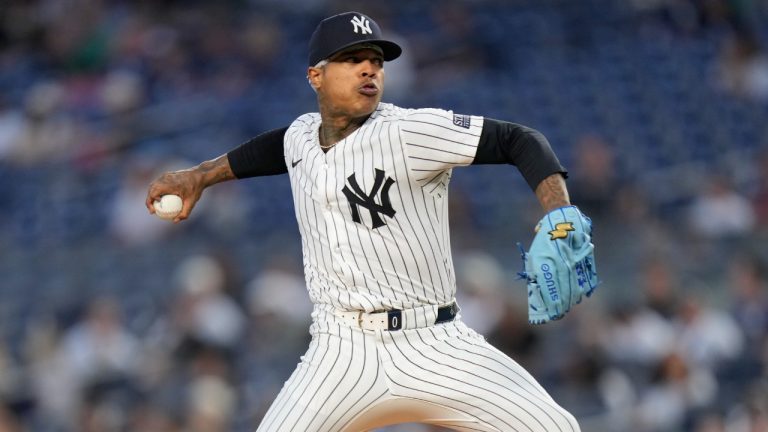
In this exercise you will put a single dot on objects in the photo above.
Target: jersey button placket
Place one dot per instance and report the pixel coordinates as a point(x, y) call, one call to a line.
point(321, 190)
point(325, 181)
point(331, 187)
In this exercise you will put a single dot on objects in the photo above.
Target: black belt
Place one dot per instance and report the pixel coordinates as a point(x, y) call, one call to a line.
point(445, 313)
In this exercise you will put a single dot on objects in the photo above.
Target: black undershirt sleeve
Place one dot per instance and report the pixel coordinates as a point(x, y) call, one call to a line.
point(259, 156)
point(504, 142)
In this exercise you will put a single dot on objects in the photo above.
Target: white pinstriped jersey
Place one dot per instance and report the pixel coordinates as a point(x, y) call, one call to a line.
point(373, 210)
point(373, 215)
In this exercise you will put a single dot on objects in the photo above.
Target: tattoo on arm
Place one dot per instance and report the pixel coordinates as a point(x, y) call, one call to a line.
point(552, 192)
point(216, 170)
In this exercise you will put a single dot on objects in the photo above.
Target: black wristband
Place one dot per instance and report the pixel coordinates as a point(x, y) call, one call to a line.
point(259, 156)
point(503, 142)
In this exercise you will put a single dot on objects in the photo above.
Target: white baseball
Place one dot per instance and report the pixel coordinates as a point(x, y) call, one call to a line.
point(168, 206)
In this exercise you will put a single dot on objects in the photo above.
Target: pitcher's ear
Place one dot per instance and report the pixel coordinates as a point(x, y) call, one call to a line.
point(314, 77)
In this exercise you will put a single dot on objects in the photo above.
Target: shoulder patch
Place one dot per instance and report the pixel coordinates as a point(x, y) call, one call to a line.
point(461, 120)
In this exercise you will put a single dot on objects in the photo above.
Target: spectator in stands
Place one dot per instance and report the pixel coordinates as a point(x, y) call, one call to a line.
point(595, 183)
point(52, 390)
point(642, 332)
point(720, 211)
point(707, 337)
point(482, 292)
point(210, 398)
point(100, 359)
point(749, 302)
point(279, 312)
point(637, 336)
point(634, 216)
point(15, 395)
point(47, 131)
point(677, 388)
point(278, 291)
point(751, 414)
point(204, 312)
point(121, 96)
point(742, 68)
point(660, 288)
point(514, 336)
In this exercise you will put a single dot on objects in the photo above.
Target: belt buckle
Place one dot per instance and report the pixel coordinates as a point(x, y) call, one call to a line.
point(394, 319)
point(360, 319)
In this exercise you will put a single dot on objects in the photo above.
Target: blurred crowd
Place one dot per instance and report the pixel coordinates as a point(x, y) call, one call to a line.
point(112, 320)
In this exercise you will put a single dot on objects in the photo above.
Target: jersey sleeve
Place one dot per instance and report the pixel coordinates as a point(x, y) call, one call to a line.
point(259, 156)
point(436, 140)
point(526, 148)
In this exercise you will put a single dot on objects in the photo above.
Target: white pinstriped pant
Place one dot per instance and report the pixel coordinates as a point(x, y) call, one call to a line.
point(354, 380)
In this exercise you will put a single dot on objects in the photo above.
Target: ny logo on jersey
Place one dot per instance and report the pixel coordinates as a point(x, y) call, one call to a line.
point(361, 23)
point(357, 197)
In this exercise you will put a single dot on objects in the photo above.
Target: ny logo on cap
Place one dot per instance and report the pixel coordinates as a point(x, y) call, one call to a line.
point(361, 23)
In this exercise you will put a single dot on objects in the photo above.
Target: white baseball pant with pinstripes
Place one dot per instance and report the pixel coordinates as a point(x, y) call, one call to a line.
point(354, 380)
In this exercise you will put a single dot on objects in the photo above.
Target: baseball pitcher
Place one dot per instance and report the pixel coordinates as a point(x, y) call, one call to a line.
point(370, 189)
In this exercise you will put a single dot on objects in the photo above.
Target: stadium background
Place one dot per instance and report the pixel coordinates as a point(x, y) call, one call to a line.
point(112, 320)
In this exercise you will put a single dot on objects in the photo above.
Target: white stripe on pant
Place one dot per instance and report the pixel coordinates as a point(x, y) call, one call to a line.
point(353, 380)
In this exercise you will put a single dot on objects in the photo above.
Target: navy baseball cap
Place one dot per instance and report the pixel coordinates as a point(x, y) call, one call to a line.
point(344, 30)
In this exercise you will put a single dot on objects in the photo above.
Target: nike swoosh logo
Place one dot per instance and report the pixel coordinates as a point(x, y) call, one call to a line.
point(293, 164)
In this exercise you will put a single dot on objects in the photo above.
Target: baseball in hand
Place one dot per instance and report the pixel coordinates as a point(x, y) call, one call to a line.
point(168, 206)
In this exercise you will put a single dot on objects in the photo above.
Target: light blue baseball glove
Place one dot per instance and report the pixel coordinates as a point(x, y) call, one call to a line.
point(560, 265)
